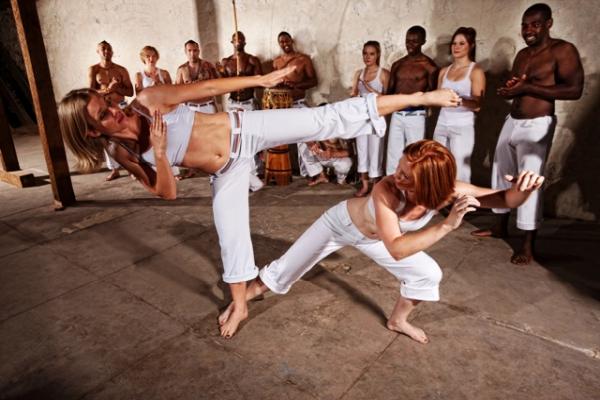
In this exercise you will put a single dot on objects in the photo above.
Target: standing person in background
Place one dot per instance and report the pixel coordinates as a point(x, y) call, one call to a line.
point(150, 75)
point(302, 79)
point(194, 70)
point(371, 79)
point(547, 70)
point(455, 127)
point(414, 72)
point(112, 81)
point(249, 65)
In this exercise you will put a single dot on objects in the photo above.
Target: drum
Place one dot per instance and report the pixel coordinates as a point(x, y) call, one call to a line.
point(277, 161)
point(276, 98)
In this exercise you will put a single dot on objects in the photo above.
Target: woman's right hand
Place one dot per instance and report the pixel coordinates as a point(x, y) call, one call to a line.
point(462, 205)
point(158, 134)
point(276, 77)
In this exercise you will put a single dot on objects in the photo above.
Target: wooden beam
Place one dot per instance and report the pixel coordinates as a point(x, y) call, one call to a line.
point(8, 154)
point(38, 75)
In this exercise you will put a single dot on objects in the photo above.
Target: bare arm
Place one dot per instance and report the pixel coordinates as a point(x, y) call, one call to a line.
point(477, 90)
point(432, 79)
point(522, 186)
point(569, 78)
point(354, 90)
point(385, 80)
point(92, 78)
point(169, 95)
point(256, 64)
point(125, 88)
point(392, 82)
point(138, 82)
point(401, 245)
point(440, 78)
point(167, 77)
point(179, 76)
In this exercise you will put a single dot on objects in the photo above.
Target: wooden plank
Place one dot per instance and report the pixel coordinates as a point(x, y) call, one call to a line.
point(42, 93)
point(21, 179)
point(8, 154)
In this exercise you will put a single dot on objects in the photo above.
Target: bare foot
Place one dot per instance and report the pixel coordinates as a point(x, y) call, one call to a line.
point(522, 257)
point(363, 191)
point(409, 330)
point(494, 231)
point(114, 174)
point(230, 326)
point(225, 314)
point(317, 180)
point(189, 173)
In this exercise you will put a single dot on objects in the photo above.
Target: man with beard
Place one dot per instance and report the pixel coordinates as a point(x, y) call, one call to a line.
point(112, 81)
point(414, 72)
point(548, 69)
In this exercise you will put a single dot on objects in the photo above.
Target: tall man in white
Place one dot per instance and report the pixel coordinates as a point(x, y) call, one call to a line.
point(546, 70)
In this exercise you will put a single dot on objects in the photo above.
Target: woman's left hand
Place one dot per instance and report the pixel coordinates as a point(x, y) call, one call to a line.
point(527, 181)
point(276, 77)
point(158, 134)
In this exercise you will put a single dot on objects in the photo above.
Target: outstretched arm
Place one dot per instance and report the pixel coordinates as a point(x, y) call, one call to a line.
point(401, 245)
point(169, 95)
point(522, 187)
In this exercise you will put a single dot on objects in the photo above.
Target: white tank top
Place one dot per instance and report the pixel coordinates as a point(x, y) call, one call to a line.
point(458, 115)
point(405, 226)
point(147, 81)
point(375, 83)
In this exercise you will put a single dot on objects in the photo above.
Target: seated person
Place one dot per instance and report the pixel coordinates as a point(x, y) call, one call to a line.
point(327, 153)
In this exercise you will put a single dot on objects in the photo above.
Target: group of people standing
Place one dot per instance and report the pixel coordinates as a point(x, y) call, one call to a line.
point(167, 126)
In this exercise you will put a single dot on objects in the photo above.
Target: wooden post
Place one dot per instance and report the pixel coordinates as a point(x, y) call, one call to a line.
point(11, 172)
point(8, 154)
point(38, 75)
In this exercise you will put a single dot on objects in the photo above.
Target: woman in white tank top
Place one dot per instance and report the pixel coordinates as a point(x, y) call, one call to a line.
point(455, 128)
point(150, 75)
point(371, 79)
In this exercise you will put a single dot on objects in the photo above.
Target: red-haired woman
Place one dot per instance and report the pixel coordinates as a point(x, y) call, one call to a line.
point(389, 227)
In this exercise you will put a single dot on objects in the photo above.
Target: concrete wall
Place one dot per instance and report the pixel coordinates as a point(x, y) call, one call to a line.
point(333, 32)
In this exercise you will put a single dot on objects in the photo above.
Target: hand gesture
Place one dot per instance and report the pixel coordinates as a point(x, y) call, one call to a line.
point(514, 86)
point(113, 82)
point(441, 98)
point(158, 134)
point(276, 77)
point(526, 182)
point(462, 205)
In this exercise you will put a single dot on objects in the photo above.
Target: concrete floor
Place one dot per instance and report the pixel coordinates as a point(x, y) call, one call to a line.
point(117, 298)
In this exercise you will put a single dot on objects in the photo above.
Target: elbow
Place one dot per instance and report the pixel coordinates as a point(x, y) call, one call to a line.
point(398, 255)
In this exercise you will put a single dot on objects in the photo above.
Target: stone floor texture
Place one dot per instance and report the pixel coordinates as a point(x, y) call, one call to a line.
point(117, 298)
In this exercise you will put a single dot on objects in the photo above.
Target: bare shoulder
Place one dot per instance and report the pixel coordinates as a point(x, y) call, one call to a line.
point(120, 68)
point(182, 66)
point(385, 72)
point(560, 47)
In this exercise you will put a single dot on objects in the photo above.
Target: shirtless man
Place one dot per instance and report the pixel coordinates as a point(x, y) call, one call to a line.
point(193, 70)
point(249, 65)
point(546, 70)
point(112, 81)
point(414, 72)
point(298, 82)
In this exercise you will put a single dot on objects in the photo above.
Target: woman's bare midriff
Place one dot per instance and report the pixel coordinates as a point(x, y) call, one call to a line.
point(208, 149)
point(361, 217)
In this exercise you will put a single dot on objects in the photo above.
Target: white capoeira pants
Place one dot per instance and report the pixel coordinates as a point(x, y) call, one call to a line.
point(523, 145)
point(369, 151)
point(458, 136)
point(406, 127)
point(314, 165)
point(303, 150)
point(246, 105)
point(261, 130)
point(210, 107)
point(419, 274)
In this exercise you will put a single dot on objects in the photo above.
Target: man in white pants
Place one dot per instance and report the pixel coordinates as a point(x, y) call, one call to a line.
point(414, 72)
point(329, 153)
point(298, 82)
point(546, 70)
point(241, 63)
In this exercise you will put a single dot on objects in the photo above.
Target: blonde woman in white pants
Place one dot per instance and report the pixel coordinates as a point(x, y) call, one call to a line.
point(455, 127)
point(389, 227)
point(369, 149)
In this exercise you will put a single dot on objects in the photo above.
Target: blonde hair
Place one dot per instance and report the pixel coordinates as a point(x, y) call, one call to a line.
point(74, 124)
point(147, 49)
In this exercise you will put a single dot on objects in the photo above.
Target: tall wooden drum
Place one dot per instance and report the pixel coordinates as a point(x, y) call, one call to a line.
point(277, 161)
